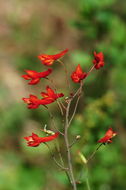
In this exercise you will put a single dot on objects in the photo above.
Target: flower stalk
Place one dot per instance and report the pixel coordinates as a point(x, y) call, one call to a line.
point(71, 174)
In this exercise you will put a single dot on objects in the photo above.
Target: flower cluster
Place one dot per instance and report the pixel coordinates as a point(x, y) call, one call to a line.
point(50, 95)
point(78, 75)
point(47, 60)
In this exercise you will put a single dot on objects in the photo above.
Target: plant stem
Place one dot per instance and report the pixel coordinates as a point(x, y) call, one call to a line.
point(57, 163)
point(52, 118)
point(91, 69)
point(75, 140)
point(92, 155)
point(73, 182)
point(66, 72)
point(87, 182)
point(85, 164)
point(75, 108)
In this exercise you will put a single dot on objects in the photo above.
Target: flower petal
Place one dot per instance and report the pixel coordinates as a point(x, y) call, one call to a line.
point(57, 56)
point(35, 136)
point(46, 101)
point(44, 94)
point(45, 73)
point(26, 100)
point(32, 73)
point(50, 92)
point(26, 77)
point(49, 138)
point(34, 81)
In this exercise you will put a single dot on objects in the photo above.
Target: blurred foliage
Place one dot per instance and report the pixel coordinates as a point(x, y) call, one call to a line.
point(28, 29)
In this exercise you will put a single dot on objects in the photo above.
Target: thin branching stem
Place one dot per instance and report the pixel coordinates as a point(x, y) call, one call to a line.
point(92, 155)
point(66, 73)
point(84, 161)
point(52, 118)
point(67, 124)
point(91, 69)
point(58, 164)
point(61, 159)
point(75, 108)
point(53, 157)
point(88, 184)
point(59, 152)
point(75, 140)
point(73, 182)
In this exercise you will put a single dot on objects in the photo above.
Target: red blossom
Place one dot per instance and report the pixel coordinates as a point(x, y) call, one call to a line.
point(35, 76)
point(78, 74)
point(50, 96)
point(34, 140)
point(108, 136)
point(98, 60)
point(33, 102)
point(49, 59)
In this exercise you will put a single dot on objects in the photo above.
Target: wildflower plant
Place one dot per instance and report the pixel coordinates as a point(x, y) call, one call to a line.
point(51, 95)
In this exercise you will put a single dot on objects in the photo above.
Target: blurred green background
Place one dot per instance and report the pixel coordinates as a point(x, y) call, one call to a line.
point(31, 27)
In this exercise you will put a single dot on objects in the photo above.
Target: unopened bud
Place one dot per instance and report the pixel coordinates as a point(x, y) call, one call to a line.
point(66, 98)
point(78, 137)
point(49, 132)
point(71, 94)
point(82, 157)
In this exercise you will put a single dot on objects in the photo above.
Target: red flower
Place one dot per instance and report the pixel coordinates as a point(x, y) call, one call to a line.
point(108, 136)
point(78, 74)
point(49, 59)
point(36, 76)
point(34, 140)
point(50, 96)
point(33, 102)
point(98, 60)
